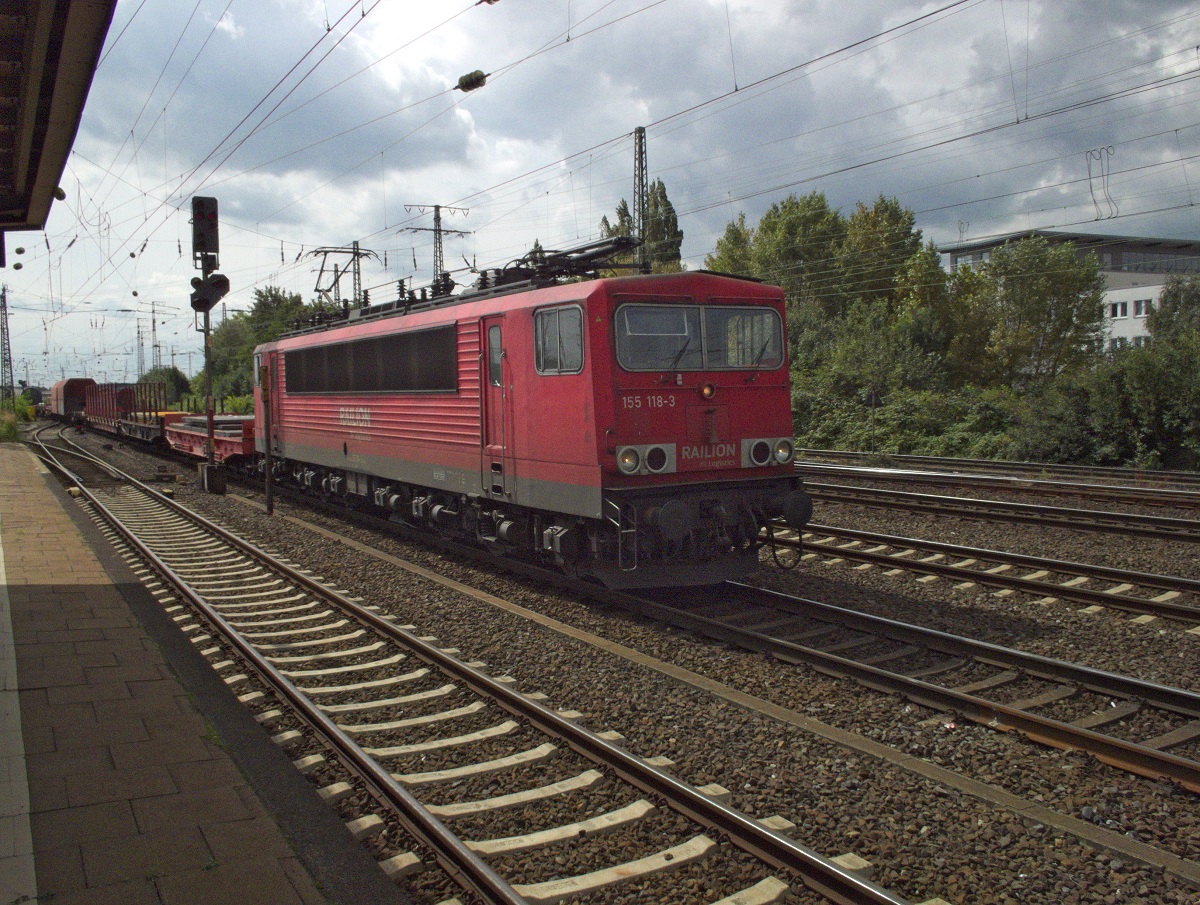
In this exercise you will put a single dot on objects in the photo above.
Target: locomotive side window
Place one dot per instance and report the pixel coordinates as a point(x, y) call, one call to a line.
point(366, 366)
point(558, 336)
point(693, 337)
point(495, 356)
point(424, 361)
point(337, 364)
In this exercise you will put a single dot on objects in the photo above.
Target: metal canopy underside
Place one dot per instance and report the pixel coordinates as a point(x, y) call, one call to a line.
point(48, 55)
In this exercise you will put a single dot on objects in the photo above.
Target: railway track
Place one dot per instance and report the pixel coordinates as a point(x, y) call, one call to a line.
point(1126, 523)
point(1049, 579)
point(1184, 498)
point(935, 726)
point(1125, 722)
point(446, 763)
point(1136, 476)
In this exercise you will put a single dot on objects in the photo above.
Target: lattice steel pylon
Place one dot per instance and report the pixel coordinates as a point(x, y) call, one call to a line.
point(639, 190)
point(439, 263)
point(8, 386)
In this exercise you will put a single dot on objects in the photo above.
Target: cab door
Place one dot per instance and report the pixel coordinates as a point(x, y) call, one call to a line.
point(494, 478)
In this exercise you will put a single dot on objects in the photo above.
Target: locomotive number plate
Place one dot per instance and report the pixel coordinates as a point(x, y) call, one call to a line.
point(649, 401)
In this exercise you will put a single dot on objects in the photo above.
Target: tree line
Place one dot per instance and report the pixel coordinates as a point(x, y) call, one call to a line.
point(892, 353)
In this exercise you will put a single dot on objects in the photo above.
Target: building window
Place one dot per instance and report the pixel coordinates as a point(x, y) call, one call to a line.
point(1141, 307)
point(1139, 341)
point(1118, 310)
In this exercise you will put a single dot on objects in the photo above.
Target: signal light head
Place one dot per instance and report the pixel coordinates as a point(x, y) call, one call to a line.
point(207, 291)
point(205, 228)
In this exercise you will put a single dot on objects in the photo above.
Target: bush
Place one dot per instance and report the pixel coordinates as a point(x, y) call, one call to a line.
point(13, 415)
point(968, 422)
point(239, 405)
point(9, 431)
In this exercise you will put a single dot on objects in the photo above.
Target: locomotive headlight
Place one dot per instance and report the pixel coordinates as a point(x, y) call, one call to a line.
point(708, 391)
point(656, 459)
point(784, 450)
point(628, 460)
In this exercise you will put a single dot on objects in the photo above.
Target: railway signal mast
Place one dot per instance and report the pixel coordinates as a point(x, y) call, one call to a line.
point(207, 289)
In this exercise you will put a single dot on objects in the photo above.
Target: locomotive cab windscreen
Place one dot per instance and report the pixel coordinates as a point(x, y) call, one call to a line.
point(654, 337)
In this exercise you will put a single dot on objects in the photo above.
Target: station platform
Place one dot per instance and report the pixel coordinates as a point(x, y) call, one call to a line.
point(128, 771)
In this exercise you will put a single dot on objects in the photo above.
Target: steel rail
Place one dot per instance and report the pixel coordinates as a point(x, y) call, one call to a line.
point(1167, 697)
point(1124, 755)
point(999, 466)
point(776, 849)
point(1157, 496)
point(1132, 524)
point(471, 871)
point(1166, 608)
point(1117, 752)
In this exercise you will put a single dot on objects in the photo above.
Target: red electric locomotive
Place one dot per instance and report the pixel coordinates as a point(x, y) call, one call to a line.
point(636, 429)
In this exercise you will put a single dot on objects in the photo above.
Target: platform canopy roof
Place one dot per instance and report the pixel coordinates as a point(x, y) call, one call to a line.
point(49, 50)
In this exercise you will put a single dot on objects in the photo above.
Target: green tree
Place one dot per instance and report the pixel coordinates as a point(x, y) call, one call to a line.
point(664, 238)
point(732, 254)
point(970, 318)
point(1177, 310)
point(1048, 310)
point(879, 242)
point(175, 380)
point(874, 353)
point(623, 225)
point(661, 233)
point(923, 302)
point(274, 312)
point(795, 245)
point(230, 359)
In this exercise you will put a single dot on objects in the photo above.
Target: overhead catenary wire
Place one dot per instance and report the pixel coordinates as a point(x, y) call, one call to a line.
point(188, 176)
point(500, 217)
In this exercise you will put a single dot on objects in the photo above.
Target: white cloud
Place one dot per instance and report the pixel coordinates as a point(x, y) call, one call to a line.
point(980, 119)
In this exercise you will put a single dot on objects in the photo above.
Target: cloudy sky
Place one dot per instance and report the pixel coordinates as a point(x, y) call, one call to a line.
point(318, 123)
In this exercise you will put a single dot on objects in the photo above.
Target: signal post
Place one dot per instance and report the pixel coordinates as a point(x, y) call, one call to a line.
point(207, 289)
